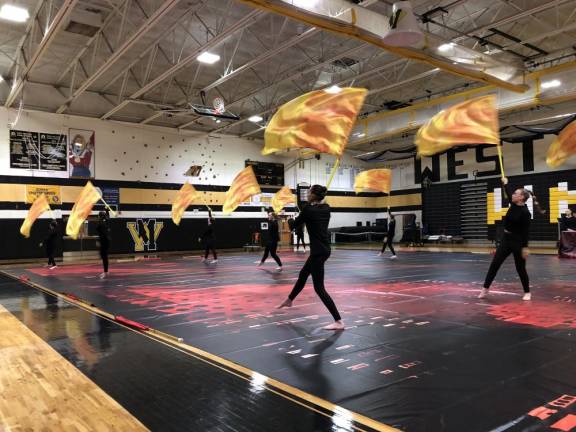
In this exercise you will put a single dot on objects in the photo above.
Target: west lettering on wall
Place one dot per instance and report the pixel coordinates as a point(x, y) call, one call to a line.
point(452, 163)
point(145, 234)
point(81, 153)
point(482, 158)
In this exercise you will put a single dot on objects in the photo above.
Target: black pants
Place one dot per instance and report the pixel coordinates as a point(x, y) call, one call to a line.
point(388, 243)
point(315, 266)
point(209, 246)
point(50, 253)
point(271, 250)
point(104, 256)
point(300, 238)
point(508, 246)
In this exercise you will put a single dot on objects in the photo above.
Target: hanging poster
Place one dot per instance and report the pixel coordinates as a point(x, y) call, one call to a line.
point(81, 153)
point(52, 193)
point(53, 152)
point(23, 149)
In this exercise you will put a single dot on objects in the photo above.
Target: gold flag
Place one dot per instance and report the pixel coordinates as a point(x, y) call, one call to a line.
point(378, 180)
point(318, 120)
point(39, 206)
point(81, 210)
point(281, 198)
point(471, 122)
point(243, 187)
point(185, 196)
point(562, 147)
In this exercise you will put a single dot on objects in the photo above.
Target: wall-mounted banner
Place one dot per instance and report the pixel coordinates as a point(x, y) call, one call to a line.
point(261, 200)
point(109, 194)
point(23, 149)
point(81, 153)
point(52, 150)
point(52, 194)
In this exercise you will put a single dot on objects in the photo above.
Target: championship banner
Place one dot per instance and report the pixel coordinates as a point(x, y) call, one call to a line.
point(52, 194)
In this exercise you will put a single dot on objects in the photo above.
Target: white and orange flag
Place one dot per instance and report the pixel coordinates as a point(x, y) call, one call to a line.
point(378, 180)
point(471, 122)
point(318, 120)
point(39, 206)
point(243, 187)
point(282, 198)
point(562, 147)
point(81, 210)
point(185, 196)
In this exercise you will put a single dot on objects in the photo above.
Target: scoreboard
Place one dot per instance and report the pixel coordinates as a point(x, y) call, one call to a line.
point(268, 173)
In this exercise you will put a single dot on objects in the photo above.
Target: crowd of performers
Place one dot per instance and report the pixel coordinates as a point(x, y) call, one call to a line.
point(315, 216)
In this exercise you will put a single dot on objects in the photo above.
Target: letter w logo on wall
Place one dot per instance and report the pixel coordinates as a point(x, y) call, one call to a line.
point(145, 234)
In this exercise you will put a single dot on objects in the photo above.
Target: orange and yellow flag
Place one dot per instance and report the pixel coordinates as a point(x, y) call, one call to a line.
point(378, 180)
point(318, 120)
point(562, 147)
point(81, 210)
point(185, 196)
point(281, 198)
point(39, 206)
point(471, 122)
point(243, 187)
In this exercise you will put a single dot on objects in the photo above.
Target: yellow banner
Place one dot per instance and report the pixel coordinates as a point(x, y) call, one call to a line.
point(52, 194)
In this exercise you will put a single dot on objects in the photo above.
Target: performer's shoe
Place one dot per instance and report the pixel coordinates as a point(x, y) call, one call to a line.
point(483, 293)
point(338, 325)
point(527, 297)
point(285, 303)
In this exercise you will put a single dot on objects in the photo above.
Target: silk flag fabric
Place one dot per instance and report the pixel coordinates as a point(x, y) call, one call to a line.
point(243, 187)
point(282, 198)
point(185, 196)
point(471, 122)
point(81, 210)
point(378, 180)
point(39, 206)
point(562, 147)
point(317, 120)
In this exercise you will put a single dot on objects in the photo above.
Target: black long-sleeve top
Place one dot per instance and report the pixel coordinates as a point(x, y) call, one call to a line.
point(316, 218)
point(567, 223)
point(208, 233)
point(103, 233)
point(517, 222)
point(392, 227)
point(273, 233)
point(50, 240)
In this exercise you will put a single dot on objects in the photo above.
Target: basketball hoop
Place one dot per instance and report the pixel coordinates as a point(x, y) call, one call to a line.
point(218, 104)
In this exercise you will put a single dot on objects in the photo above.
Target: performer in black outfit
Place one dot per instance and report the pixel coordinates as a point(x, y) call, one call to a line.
point(299, 231)
point(208, 239)
point(50, 243)
point(104, 240)
point(316, 216)
point(273, 239)
point(390, 236)
point(515, 240)
point(568, 221)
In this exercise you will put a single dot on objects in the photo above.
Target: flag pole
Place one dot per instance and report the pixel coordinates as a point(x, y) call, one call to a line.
point(334, 169)
point(499, 147)
point(108, 207)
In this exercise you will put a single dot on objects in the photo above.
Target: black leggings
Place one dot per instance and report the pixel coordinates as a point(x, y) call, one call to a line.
point(300, 238)
point(388, 243)
point(508, 246)
point(50, 253)
point(104, 256)
point(315, 266)
point(271, 249)
point(209, 246)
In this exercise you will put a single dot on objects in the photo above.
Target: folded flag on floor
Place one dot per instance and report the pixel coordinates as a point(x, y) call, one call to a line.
point(562, 147)
point(81, 210)
point(471, 122)
point(375, 179)
point(282, 198)
point(318, 120)
point(243, 187)
point(185, 196)
point(39, 206)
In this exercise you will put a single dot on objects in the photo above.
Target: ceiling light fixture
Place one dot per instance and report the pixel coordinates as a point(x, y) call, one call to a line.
point(551, 84)
point(14, 13)
point(255, 119)
point(445, 47)
point(333, 90)
point(208, 58)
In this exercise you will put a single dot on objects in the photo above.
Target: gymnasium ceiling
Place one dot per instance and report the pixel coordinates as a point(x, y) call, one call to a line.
point(131, 60)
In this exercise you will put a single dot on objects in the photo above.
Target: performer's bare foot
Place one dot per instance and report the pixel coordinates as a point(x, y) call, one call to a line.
point(337, 325)
point(285, 303)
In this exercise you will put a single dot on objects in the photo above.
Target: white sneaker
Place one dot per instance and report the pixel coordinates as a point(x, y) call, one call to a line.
point(483, 293)
point(204, 260)
point(527, 297)
point(103, 275)
point(52, 267)
point(379, 253)
point(214, 261)
point(279, 268)
point(393, 257)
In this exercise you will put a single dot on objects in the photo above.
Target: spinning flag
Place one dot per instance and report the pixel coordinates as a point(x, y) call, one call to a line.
point(562, 147)
point(243, 187)
point(318, 120)
point(185, 196)
point(81, 210)
point(39, 206)
point(374, 179)
point(281, 198)
point(471, 122)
